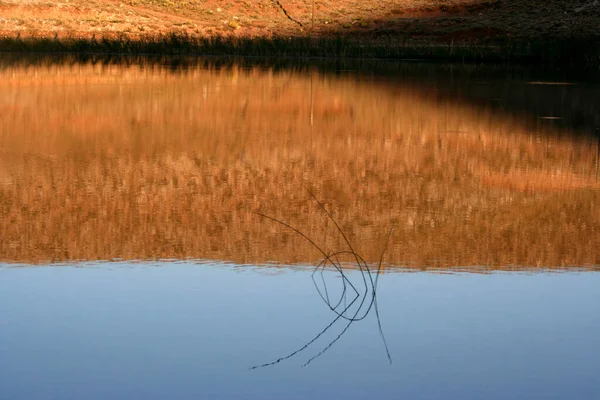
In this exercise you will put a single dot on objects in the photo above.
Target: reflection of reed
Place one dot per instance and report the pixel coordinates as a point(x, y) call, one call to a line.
point(364, 298)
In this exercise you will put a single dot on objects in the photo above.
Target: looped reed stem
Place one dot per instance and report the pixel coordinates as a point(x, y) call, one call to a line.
point(365, 298)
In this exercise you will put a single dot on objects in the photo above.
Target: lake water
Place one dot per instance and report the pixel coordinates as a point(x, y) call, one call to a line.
point(167, 330)
point(161, 221)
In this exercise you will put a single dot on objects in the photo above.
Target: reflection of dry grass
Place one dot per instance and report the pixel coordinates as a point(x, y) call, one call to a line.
point(145, 163)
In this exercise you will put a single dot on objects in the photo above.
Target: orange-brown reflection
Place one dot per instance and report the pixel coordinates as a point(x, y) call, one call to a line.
point(105, 162)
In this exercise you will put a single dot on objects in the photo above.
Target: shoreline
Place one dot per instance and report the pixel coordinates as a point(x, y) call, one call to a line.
point(542, 32)
point(563, 51)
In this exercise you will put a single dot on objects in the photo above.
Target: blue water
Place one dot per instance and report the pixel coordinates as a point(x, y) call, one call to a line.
point(186, 331)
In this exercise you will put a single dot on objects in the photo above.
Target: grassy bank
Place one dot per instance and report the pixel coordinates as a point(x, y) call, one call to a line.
point(533, 31)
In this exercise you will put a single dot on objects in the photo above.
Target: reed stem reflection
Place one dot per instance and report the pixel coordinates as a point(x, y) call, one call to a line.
point(362, 298)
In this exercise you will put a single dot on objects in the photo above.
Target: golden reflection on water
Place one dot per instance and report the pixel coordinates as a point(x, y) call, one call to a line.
point(103, 162)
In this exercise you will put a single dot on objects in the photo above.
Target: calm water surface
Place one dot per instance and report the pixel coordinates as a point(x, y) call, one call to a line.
point(483, 182)
point(166, 330)
point(141, 160)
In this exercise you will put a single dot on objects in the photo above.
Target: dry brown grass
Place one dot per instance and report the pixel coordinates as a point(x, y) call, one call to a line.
point(382, 20)
point(141, 163)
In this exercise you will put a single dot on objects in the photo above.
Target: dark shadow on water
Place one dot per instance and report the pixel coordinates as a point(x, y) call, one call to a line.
point(548, 99)
point(355, 301)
